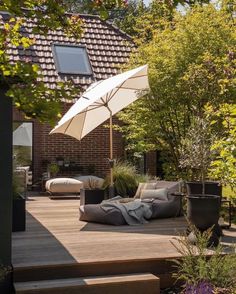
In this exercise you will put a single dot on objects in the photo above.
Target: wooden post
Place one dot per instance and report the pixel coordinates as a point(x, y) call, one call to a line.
point(111, 149)
point(111, 159)
point(5, 177)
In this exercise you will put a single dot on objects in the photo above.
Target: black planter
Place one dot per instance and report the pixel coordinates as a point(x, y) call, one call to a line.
point(95, 196)
point(18, 214)
point(211, 188)
point(203, 210)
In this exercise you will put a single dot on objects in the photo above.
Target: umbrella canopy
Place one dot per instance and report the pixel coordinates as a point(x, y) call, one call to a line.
point(102, 100)
point(22, 136)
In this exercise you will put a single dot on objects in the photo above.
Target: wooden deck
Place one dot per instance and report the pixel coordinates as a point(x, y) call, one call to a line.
point(55, 235)
point(60, 245)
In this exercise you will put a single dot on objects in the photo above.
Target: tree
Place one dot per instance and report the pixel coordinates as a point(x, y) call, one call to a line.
point(196, 154)
point(103, 8)
point(191, 62)
point(140, 20)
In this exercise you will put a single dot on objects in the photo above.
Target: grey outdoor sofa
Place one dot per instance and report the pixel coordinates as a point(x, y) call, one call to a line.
point(162, 197)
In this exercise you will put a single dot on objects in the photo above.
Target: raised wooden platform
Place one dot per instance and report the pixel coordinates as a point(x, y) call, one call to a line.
point(56, 245)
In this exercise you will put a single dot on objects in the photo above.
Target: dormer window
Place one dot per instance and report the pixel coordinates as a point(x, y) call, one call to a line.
point(71, 59)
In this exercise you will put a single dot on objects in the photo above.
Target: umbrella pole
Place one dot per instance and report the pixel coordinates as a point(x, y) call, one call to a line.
point(111, 160)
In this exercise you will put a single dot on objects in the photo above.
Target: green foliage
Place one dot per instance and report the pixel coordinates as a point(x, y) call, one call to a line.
point(48, 14)
point(191, 62)
point(199, 265)
point(140, 20)
point(223, 168)
point(53, 168)
point(103, 8)
point(126, 179)
point(228, 192)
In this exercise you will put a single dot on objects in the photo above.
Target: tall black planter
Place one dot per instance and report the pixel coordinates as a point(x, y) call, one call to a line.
point(203, 212)
point(18, 214)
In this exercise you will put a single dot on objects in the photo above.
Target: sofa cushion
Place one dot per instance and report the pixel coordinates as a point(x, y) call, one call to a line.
point(94, 213)
point(164, 209)
point(170, 186)
point(144, 186)
point(160, 194)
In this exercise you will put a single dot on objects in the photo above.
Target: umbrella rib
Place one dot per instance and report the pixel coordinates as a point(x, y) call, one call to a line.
point(84, 97)
point(112, 94)
point(128, 88)
point(69, 124)
point(83, 123)
point(97, 104)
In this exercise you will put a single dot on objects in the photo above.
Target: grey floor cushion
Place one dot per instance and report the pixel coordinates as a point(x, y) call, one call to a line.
point(94, 213)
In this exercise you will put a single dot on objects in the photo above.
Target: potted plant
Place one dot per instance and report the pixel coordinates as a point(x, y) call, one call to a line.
point(53, 169)
point(126, 179)
point(93, 192)
point(196, 155)
point(18, 204)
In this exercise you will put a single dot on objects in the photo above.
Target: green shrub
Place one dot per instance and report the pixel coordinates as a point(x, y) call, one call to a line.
point(197, 268)
point(126, 179)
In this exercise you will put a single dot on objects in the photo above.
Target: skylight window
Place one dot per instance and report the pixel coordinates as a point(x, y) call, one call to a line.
point(71, 59)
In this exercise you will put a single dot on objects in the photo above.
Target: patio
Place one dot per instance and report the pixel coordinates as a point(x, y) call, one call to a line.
point(57, 245)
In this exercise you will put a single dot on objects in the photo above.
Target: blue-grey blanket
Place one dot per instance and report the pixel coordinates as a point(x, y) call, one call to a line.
point(134, 212)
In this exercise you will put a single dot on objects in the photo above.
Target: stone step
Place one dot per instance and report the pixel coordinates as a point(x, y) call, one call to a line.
point(145, 283)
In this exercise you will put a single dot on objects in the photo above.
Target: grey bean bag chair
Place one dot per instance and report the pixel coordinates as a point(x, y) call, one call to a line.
point(94, 213)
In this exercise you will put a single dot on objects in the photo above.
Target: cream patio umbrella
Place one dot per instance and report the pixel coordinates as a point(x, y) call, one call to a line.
point(100, 102)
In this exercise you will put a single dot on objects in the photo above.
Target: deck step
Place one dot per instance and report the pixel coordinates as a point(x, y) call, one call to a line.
point(145, 283)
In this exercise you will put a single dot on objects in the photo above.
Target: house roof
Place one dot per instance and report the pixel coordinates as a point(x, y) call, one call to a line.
point(107, 48)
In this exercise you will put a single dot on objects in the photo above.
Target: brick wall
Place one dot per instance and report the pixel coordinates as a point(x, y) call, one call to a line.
point(93, 149)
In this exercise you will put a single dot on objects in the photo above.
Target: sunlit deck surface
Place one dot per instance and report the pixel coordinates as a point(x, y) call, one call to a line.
point(55, 237)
